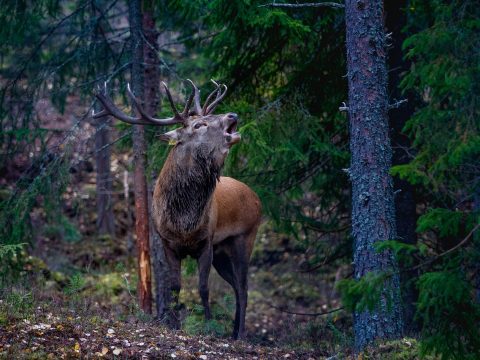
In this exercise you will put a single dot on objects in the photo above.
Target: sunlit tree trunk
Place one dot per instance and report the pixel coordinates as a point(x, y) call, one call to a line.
point(373, 208)
point(152, 102)
point(405, 204)
point(139, 155)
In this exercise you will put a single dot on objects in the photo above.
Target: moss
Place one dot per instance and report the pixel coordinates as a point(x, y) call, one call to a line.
point(111, 284)
point(4, 194)
point(404, 349)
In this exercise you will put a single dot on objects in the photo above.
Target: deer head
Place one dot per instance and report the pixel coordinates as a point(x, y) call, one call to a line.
point(208, 134)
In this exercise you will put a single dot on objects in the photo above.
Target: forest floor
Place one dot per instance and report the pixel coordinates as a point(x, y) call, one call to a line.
point(77, 299)
point(59, 337)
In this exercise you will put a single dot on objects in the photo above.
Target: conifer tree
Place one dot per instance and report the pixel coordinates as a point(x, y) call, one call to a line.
point(373, 214)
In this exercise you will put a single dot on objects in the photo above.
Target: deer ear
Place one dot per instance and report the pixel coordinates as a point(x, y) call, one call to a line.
point(171, 137)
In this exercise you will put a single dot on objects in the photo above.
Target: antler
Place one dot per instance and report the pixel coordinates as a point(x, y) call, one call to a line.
point(220, 95)
point(144, 119)
point(207, 106)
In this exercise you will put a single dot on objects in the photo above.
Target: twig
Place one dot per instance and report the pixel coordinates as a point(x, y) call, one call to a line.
point(305, 314)
point(329, 4)
point(344, 107)
point(397, 104)
point(459, 245)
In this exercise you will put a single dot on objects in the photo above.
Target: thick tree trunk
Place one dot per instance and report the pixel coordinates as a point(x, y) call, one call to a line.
point(105, 219)
point(152, 102)
point(405, 205)
point(139, 155)
point(373, 210)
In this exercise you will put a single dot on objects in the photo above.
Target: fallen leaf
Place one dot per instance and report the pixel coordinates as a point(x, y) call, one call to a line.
point(117, 351)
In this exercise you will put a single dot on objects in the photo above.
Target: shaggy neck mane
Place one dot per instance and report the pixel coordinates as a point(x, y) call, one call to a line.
point(187, 186)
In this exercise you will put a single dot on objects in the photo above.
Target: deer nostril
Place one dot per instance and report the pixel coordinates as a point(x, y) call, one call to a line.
point(233, 116)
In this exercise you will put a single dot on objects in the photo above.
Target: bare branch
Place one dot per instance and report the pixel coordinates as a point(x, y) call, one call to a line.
point(449, 251)
point(397, 104)
point(304, 314)
point(329, 4)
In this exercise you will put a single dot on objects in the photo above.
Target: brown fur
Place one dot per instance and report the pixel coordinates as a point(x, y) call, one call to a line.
point(214, 221)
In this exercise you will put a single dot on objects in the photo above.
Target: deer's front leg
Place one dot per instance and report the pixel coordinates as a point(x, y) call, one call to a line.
point(174, 264)
point(204, 266)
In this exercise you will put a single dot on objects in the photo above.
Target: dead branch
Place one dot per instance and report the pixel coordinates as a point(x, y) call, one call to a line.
point(329, 4)
point(304, 314)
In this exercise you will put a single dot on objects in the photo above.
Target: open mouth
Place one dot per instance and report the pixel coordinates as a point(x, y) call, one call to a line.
point(231, 134)
point(232, 128)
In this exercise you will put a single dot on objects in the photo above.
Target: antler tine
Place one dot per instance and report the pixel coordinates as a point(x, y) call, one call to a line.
point(177, 118)
point(219, 98)
point(188, 104)
point(172, 104)
point(196, 98)
point(144, 119)
point(111, 109)
point(215, 93)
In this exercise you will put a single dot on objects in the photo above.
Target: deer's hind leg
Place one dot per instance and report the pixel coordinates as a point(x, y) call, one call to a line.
point(230, 259)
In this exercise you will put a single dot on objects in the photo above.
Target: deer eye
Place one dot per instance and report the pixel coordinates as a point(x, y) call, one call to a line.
point(198, 125)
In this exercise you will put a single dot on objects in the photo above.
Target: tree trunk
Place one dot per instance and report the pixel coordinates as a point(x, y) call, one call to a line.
point(405, 204)
point(152, 102)
point(105, 219)
point(476, 237)
point(139, 155)
point(373, 209)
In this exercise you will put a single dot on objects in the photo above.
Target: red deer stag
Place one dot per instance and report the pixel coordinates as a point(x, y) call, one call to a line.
point(196, 211)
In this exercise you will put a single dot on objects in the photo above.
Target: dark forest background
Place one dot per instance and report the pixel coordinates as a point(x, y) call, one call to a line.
point(67, 242)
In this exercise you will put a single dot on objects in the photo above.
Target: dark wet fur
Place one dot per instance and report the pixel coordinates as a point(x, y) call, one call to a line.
point(188, 190)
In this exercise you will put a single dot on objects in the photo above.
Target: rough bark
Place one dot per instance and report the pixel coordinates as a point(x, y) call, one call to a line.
point(152, 102)
point(105, 218)
point(405, 204)
point(139, 155)
point(373, 210)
